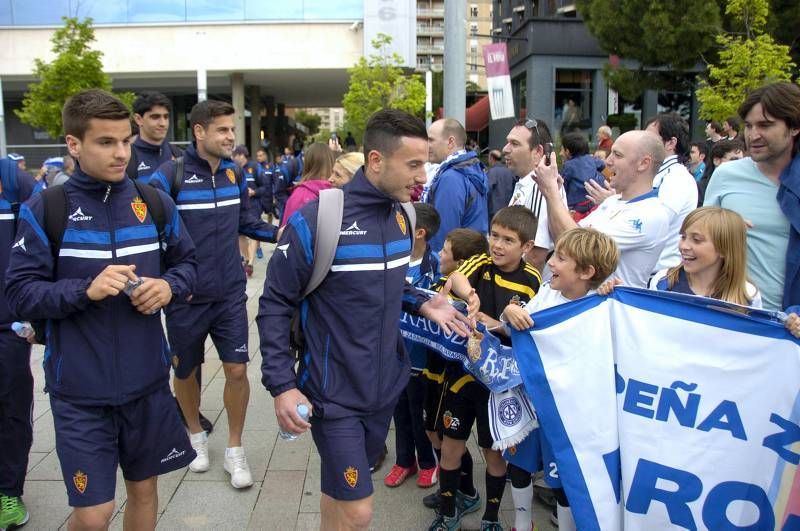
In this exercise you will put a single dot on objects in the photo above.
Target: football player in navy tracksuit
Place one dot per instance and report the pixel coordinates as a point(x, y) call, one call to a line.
point(16, 380)
point(355, 366)
point(260, 192)
point(151, 149)
point(106, 361)
point(214, 204)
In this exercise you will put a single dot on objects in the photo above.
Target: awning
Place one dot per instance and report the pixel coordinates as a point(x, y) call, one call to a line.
point(477, 116)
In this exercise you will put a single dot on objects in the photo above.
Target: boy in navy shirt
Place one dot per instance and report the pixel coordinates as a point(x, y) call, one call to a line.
point(423, 271)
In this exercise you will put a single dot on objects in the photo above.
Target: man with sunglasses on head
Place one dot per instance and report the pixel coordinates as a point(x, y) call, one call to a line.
point(525, 147)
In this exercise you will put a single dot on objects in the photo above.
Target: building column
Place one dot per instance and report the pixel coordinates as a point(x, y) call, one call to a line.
point(649, 105)
point(599, 100)
point(455, 54)
point(255, 118)
point(280, 125)
point(269, 120)
point(202, 85)
point(237, 96)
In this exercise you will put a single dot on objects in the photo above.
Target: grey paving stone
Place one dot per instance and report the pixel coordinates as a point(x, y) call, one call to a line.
point(279, 500)
point(291, 455)
point(209, 505)
point(34, 458)
point(47, 504)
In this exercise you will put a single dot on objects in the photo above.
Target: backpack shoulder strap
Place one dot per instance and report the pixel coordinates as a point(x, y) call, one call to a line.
point(131, 170)
point(154, 204)
point(56, 204)
point(156, 207)
point(329, 223)
point(412, 216)
point(177, 179)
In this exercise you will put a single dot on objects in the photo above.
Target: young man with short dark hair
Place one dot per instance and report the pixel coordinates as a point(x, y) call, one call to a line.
point(351, 381)
point(214, 204)
point(107, 363)
point(150, 149)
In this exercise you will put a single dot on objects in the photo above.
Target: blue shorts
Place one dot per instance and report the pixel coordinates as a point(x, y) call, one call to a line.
point(145, 437)
point(188, 326)
point(346, 447)
point(534, 453)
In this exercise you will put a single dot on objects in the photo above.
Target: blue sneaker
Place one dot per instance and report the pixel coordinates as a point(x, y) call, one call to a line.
point(445, 523)
point(467, 504)
point(259, 253)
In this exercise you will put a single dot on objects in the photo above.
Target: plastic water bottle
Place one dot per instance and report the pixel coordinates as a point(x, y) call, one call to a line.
point(303, 411)
point(23, 329)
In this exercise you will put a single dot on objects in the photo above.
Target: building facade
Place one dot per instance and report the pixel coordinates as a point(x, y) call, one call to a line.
point(557, 72)
point(430, 37)
point(261, 56)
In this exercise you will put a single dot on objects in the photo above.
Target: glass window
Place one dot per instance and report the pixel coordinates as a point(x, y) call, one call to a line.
point(156, 10)
point(5, 13)
point(519, 87)
point(260, 10)
point(677, 101)
point(327, 10)
point(573, 100)
point(101, 11)
point(213, 10)
point(473, 11)
point(42, 13)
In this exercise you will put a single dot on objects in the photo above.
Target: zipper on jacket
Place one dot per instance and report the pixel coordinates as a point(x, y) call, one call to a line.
point(114, 305)
point(383, 317)
point(218, 285)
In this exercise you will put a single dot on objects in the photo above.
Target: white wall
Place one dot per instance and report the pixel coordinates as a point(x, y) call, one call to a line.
point(169, 49)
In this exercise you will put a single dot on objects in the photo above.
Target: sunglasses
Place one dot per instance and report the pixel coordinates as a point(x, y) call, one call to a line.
point(533, 125)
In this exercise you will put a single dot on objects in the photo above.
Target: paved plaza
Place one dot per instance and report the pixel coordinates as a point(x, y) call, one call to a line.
point(286, 492)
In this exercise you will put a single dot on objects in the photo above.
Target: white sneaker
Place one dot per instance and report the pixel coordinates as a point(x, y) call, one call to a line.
point(236, 465)
point(199, 442)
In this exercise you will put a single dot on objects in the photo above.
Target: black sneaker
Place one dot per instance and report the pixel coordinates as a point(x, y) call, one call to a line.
point(432, 501)
point(204, 422)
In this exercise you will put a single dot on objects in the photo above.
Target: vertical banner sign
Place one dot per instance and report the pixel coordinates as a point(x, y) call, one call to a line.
point(498, 80)
point(613, 101)
point(396, 18)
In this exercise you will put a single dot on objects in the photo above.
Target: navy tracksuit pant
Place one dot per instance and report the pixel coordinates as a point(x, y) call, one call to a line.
point(16, 403)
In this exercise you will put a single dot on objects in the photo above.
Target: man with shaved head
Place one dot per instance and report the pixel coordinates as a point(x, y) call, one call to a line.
point(634, 217)
point(460, 187)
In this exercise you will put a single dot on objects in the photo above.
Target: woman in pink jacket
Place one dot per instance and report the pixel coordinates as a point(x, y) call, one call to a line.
point(317, 168)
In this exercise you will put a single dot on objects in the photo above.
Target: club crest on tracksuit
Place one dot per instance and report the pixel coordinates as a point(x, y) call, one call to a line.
point(401, 222)
point(80, 480)
point(351, 476)
point(139, 208)
point(231, 175)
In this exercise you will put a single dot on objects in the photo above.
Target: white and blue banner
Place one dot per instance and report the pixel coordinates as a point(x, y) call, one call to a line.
point(495, 367)
point(668, 412)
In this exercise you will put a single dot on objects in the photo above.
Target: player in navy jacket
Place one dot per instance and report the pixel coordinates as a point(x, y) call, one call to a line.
point(106, 360)
point(151, 149)
point(214, 204)
point(355, 365)
point(16, 380)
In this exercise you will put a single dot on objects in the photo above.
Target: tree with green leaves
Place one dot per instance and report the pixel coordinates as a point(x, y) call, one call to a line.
point(76, 67)
point(747, 60)
point(379, 82)
point(666, 38)
point(310, 120)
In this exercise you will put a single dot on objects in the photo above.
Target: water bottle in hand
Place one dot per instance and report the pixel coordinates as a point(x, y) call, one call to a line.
point(302, 410)
point(23, 329)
